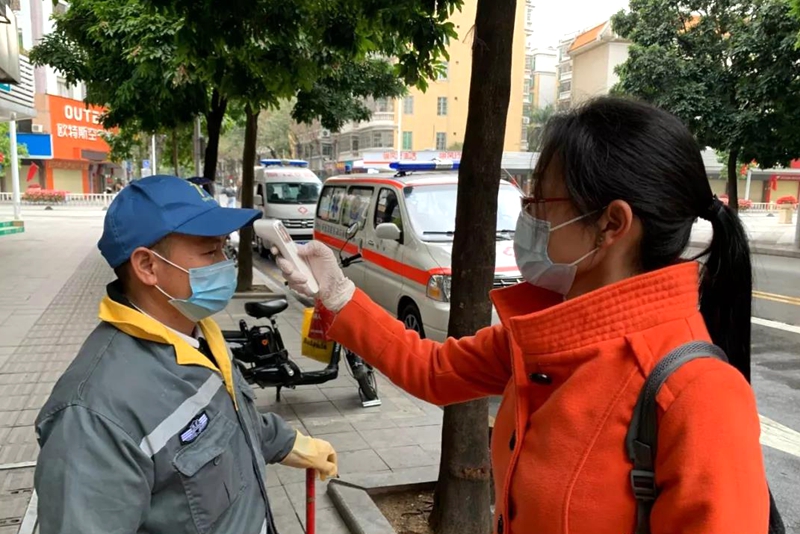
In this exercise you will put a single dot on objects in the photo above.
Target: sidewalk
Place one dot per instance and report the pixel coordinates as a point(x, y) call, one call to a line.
point(765, 234)
point(51, 281)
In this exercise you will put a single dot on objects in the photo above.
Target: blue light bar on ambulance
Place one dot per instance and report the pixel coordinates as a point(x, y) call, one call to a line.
point(408, 166)
point(284, 162)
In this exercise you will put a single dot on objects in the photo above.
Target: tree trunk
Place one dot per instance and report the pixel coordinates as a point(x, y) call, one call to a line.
point(214, 128)
point(462, 497)
point(245, 279)
point(733, 180)
point(175, 164)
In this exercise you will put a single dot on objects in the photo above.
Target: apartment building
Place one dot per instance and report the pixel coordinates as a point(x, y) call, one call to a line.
point(564, 72)
point(431, 121)
point(542, 65)
point(595, 54)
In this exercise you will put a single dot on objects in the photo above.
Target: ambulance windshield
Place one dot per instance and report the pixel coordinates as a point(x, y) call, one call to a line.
point(432, 210)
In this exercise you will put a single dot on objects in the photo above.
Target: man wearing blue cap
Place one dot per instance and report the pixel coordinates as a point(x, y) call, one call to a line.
point(152, 429)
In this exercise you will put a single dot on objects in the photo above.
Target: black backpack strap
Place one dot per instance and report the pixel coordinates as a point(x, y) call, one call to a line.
point(643, 433)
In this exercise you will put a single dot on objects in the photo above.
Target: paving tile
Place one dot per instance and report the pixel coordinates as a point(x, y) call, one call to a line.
point(290, 475)
point(323, 426)
point(303, 395)
point(366, 461)
point(288, 523)
point(346, 441)
point(387, 437)
point(27, 418)
point(316, 409)
point(426, 434)
point(13, 403)
point(329, 522)
point(278, 500)
point(297, 496)
point(406, 457)
point(414, 421)
point(377, 423)
point(8, 419)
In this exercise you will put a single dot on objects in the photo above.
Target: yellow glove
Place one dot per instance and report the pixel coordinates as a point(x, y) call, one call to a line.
point(313, 453)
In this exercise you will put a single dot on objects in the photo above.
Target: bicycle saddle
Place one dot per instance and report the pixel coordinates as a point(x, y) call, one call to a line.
point(265, 310)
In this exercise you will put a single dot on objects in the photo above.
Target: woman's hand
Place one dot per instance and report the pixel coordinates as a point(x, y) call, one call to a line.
point(335, 289)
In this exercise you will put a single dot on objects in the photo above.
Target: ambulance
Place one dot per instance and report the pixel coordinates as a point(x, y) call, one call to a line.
point(287, 190)
point(406, 228)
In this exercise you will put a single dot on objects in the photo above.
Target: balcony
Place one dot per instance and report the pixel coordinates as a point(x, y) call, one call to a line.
point(565, 76)
point(564, 95)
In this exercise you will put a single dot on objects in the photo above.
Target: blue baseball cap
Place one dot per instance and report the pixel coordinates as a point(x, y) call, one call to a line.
point(150, 209)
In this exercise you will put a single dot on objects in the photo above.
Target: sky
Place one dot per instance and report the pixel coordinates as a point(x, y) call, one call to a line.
point(555, 18)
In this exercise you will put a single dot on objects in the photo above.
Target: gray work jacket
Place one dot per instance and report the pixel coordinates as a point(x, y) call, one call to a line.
point(132, 441)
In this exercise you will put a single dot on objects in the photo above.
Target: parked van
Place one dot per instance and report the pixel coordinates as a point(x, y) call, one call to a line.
point(406, 238)
point(287, 190)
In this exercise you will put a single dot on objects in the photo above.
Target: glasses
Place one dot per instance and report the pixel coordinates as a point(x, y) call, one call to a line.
point(533, 204)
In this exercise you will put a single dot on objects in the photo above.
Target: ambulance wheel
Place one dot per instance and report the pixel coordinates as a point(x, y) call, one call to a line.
point(412, 319)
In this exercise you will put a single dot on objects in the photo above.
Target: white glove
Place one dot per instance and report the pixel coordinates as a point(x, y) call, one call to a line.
point(335, 289)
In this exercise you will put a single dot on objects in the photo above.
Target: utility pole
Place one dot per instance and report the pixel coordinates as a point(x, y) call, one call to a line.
point(198, 170)
point(15, 196)
point(153, 155)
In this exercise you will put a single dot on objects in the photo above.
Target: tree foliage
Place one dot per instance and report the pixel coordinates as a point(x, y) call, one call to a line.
point(5, 146)
point(729, 69)
point(538, 118)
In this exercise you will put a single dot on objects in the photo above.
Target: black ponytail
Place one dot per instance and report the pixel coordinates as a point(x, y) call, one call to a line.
point(726, 286)
point(614, 148)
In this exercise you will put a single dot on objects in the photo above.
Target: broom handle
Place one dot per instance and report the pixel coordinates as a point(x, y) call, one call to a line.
point(311, 519)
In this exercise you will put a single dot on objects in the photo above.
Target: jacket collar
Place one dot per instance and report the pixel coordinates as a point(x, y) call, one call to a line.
point(542, 323)
point(117, 310)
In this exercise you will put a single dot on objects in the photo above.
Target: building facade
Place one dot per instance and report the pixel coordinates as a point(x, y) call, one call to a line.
point(434, 120)
point(542, 65)
point(564, 73)
point(595, 55)
point(63, 136)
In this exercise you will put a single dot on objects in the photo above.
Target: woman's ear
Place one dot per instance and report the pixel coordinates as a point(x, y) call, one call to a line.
point(615, 224)
point(143, 266)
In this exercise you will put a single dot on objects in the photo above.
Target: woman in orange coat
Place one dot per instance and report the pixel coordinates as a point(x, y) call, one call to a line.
point(607, 296)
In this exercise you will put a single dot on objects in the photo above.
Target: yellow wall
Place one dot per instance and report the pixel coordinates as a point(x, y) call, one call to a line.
point(70, 181)
point(7, 184)
point(425, 123)
point(785, 188)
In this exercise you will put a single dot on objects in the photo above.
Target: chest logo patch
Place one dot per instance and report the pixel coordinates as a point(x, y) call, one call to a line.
point(195, 427)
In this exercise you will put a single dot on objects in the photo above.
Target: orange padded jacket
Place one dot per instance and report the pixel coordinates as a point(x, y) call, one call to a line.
point(570, 373)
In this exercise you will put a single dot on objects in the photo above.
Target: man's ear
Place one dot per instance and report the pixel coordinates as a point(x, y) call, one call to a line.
point(615, 223)
point(144, 266)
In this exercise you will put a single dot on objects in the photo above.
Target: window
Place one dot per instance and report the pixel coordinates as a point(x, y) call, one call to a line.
point(431, 209)
point(330, 202)
point(292, 192)
point(441, 141)
point(384, 105)
point(260, 192)
point(355, 206)
point(63, 88)
point(388, 209)
point(354, 144)
point(327, 150)
point(408, 140)
point(441, 105)
point(408, 105)
point(445, 72)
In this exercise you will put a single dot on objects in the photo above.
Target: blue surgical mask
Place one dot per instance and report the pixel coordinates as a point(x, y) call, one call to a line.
point(212, 289)
point(531, 239)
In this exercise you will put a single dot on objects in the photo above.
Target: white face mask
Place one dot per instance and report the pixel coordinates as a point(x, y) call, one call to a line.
point(530, 248)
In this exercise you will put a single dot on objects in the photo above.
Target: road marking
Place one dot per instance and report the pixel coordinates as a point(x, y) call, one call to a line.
point(780, 437)
point(795, 301)
point(776, 325)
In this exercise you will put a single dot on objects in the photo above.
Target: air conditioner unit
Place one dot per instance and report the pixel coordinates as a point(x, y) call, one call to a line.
point(526, 120)
point(37, 128)
point(325, 134)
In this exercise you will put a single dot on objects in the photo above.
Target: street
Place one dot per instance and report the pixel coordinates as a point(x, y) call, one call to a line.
point(776, 373)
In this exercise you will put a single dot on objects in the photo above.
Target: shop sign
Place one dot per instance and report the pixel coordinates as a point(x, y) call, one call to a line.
point(75, 128)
